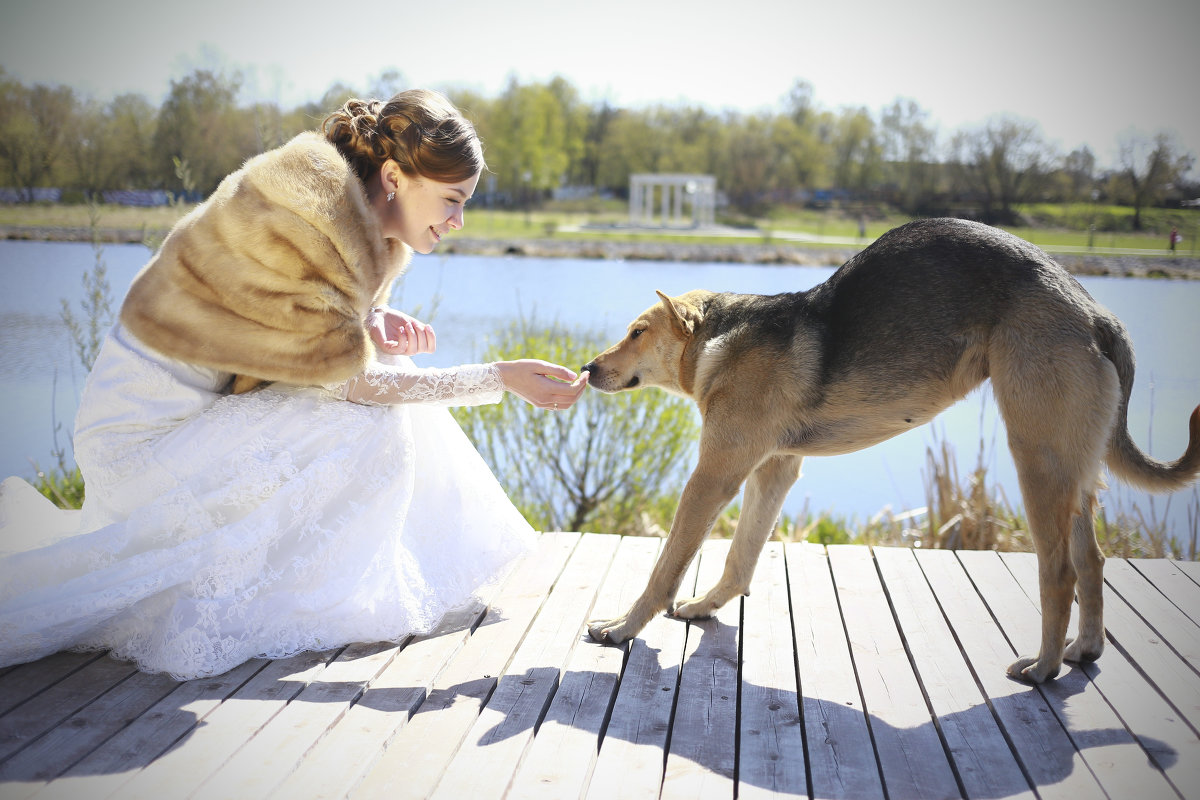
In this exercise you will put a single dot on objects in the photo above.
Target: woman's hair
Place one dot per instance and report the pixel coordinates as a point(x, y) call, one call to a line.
point(418, 129)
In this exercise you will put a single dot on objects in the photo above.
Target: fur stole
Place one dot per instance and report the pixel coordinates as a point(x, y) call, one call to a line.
point(272, 277)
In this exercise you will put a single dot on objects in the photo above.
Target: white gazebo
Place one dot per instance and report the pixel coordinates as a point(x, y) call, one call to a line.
point(698, 191)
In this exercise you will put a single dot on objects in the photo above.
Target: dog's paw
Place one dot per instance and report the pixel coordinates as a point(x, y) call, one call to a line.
point(1080, 652)
point(611, 631)
point(696, 608)
point(1032, 670)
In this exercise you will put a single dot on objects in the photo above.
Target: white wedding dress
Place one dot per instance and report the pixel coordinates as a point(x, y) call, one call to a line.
point(219, 528)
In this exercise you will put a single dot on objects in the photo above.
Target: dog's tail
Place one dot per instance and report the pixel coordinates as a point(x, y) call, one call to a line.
point(1126, 460)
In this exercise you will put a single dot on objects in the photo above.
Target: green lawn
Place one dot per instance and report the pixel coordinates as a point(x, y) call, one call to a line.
point(1057, 225)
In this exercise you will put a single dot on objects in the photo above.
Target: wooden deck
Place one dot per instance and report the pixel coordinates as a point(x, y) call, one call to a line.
point(848, 672)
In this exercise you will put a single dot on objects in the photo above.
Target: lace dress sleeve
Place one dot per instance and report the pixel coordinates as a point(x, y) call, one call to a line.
point(390, 384)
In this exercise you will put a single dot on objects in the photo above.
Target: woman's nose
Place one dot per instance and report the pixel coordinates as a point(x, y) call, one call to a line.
point(457, 220)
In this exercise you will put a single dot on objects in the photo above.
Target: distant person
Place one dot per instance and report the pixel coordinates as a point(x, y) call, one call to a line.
point(1176, 238)
point(267, 471)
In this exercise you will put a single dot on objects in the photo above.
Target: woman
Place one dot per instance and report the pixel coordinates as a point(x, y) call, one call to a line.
point(267, 471)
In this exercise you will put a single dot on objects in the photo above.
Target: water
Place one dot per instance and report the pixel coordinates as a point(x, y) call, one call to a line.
point(40, 377)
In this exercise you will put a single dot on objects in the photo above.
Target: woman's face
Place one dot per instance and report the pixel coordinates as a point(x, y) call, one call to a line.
point(424, 210)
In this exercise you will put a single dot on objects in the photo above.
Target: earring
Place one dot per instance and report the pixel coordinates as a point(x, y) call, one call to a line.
point(391, 196)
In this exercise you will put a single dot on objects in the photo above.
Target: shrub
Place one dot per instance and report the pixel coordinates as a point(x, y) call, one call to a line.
point(612, 463)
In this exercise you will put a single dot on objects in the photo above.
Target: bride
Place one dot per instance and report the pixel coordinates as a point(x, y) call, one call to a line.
point(267, 471)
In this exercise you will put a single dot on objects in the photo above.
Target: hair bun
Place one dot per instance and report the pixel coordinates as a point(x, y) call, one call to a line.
point(418, 129)
point(353, 129)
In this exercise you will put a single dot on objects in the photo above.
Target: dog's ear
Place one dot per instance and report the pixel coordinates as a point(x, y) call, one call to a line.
point(682, 315)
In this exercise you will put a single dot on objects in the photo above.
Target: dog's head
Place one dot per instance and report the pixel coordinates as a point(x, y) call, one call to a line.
point(651, 354)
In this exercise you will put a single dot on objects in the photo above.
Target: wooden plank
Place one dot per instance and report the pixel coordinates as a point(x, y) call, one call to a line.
point(911, 755)
point(26, 722)
point(494, 747)
point(633, 752)
point(1162, 732)
point(770, 759)
point(1128, 721)
point(226, 729)
point(560, 760)
point(985, 765)
point(340, 760)
point(1172, 624)
point(702, 760)
point(1172, 581)
point(283, 743)
point(1036, 737)
point(1161, 668)
point(23, 681)
point(417, 756)
point(840, 755)
point(1190, 568)
point(81, 733)
point(136, 746)
point(1110, 751)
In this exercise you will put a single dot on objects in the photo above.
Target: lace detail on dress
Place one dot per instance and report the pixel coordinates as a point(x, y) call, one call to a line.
point(392, 384)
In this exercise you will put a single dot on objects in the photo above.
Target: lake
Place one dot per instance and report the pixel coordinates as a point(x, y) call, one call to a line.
point(475, 295)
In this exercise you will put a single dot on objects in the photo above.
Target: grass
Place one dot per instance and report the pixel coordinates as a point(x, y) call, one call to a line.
point(1054, 225)
point(46, 215)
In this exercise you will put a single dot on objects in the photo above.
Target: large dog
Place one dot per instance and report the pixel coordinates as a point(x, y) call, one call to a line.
point(901, 331)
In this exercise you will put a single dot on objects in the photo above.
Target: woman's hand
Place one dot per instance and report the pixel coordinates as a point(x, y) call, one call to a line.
point(397, 333)
point(542, 384)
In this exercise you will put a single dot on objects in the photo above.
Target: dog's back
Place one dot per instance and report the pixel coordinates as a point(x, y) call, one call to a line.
point(940, 288)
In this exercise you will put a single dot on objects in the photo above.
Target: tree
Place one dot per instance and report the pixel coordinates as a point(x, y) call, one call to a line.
point(908, 143)
point(610, 463)
point(599, 120)
point(1000, 166)
point(1079, 172)
point(630, 145)
point(857, 151)
point(200, 125)
point(91, 149)
point(131, 124)
point(1150, 168)
point(34, 123)
point(531, 136)
point(746, 172)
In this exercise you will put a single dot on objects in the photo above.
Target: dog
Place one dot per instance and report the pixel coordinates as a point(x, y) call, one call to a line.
point(900, 332)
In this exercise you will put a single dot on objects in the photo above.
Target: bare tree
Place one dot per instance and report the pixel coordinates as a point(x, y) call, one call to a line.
point(1000, 166)
point(908, 142)
point(1151, 167)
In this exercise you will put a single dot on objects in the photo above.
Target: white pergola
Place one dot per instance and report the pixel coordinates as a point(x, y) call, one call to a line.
point(698, 191)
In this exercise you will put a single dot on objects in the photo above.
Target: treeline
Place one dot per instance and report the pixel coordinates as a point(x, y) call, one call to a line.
point(540, 137)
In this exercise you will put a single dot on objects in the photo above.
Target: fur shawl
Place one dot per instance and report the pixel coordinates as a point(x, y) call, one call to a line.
point(272, 277)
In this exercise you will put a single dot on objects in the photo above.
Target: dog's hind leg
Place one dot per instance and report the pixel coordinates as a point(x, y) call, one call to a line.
point(766, 490)
point(1050, 518)
point(1058, 397)
point(1089, 584)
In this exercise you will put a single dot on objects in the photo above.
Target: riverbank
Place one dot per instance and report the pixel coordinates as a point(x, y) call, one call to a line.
point(634, 248)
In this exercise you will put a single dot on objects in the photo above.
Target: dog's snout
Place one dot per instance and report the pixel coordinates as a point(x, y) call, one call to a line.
point(589, 367)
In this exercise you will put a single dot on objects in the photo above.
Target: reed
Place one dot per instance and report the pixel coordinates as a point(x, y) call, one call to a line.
point(973, 513)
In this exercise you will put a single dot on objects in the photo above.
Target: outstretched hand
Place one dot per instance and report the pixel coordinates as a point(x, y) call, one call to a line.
point(397, 333)
point(542, 384)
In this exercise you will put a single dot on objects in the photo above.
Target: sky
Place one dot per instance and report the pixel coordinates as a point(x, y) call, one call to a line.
point(1088, 72)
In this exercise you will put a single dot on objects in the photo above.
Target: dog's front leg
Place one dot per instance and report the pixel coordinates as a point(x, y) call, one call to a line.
point(711, 487)
point(766, 490)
